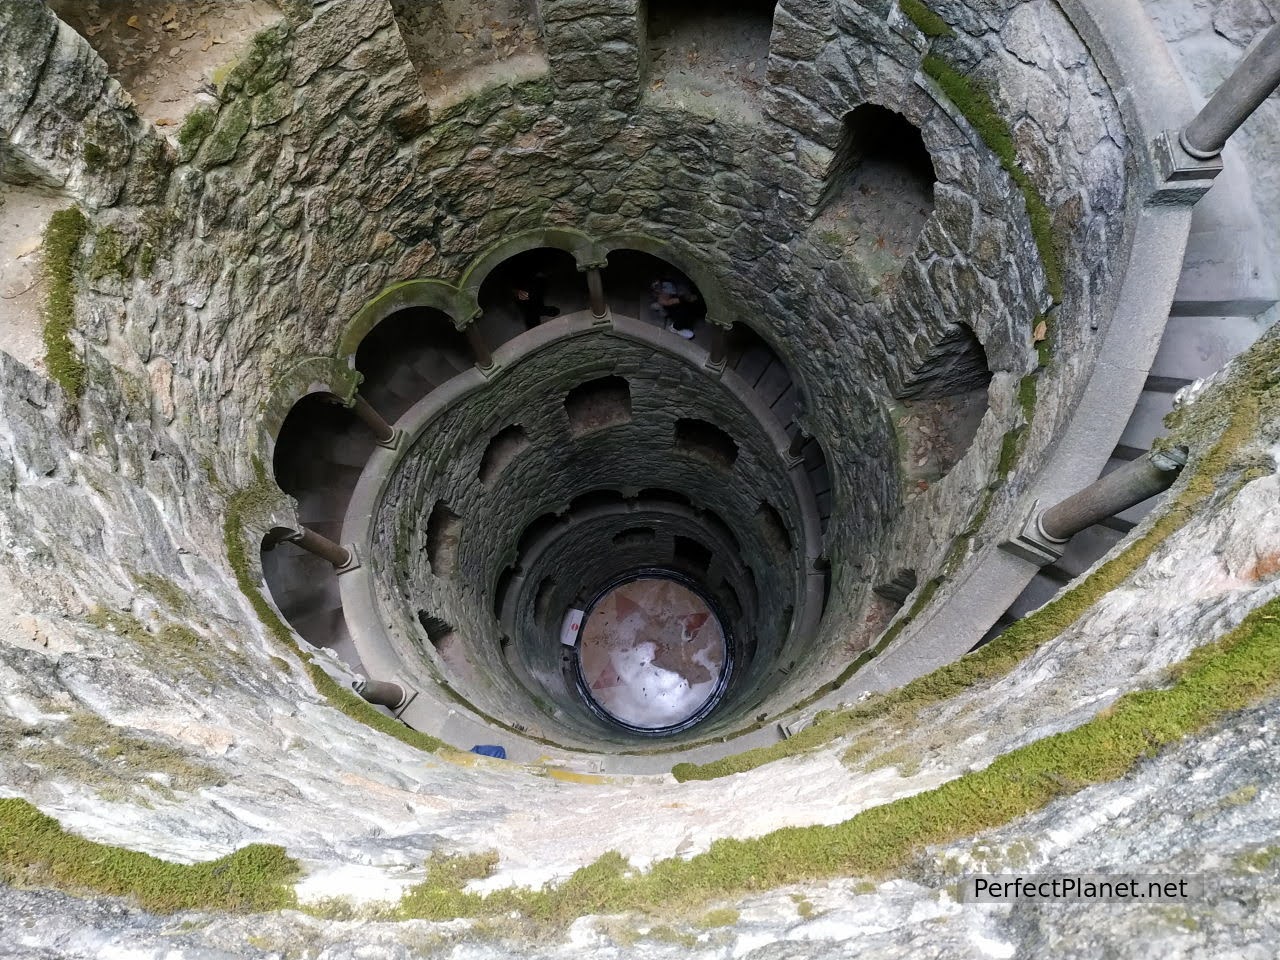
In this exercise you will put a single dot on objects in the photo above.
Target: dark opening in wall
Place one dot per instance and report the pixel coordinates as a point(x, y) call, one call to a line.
point(598, 404)
point(542, 599)
point(634, 537)
point(444, 528)
point(595, 498)
point(501, 589)
point(408, 355)
point(715, 45)
point(691, 555)
point(944, 400)
point(774, 529)
point(438, 631)
point(706, 440)
point(317, 460)
point(898, 587)
point(537, 529)
point(879, 188)
point(661, 495)
point(505, 446)
point(527, 289)
point(728, 598)
point(460, 47)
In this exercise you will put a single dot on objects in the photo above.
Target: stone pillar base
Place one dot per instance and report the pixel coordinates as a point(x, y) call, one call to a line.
point(1032, 543)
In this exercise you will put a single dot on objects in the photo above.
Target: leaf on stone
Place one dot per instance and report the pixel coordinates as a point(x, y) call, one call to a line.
point(1041, 331)
point(133, 22)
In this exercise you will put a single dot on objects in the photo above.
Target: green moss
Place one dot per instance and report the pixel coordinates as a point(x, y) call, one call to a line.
point(222, 142)
point(441, 896)
point(721, 917)
point(905, 759)
point(1230, 418)
point(90, 751)
point(977, 108)
point(62, 238)
point(36, 852)
point(804, 907)
point(1262, 860)
point(94, 156)
point(1010, 449)
point(1027, 390)
point(147, 258)
point(252, 501)
point(198, 125)
point(1221, 677)
point(108, 258)
point(926, 21)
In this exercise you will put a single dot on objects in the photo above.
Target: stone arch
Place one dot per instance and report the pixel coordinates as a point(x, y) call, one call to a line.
point(436, 294)
point(720, 308)
point(572, 241)
point(308, 376)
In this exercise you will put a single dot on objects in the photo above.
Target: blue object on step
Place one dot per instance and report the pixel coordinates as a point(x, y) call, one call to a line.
point(487, 751)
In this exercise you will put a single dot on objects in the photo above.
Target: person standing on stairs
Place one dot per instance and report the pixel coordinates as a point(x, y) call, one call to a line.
point(530, 299)
point(667, 303)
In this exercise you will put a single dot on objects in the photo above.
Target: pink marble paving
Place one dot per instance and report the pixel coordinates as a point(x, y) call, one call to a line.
point(652, 653)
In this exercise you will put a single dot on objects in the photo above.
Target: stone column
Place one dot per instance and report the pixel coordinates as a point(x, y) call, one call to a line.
point(384, 693)
point(1046, 532)
point(1119, 490)
point(719, 354)
point(479, 346)
point(797, 443)
point(322, 547)
point(1254, 79)
point(382, 431)
point(595, 291)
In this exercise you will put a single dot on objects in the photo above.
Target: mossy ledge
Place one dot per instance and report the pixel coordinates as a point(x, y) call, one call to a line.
point(1234, 413)
point(977, 108)
point(926, 21)
point(36, 852)
point(62, 239)
point(245, 503)
point(1227, 675)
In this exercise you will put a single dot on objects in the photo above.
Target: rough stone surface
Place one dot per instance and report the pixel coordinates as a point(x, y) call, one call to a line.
point(320, 174)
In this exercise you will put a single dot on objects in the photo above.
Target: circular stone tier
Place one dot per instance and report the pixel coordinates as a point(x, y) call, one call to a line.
point(652, 655)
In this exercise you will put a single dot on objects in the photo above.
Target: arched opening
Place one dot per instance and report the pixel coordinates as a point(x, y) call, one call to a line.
point(305, 590)
point(690, 556)
point(598, 404)
point(318, 457)
point(527, 289)
point(634, 537)
point(537, 529)
point(943, 401)
point(879, 189)
point(504, 447)
point(408, 355)
point(774, 529)
point(639, 284)
point(713, 46)
point(707, 441)
point(444, 529)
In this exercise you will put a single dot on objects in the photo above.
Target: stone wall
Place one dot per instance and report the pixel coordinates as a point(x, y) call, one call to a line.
point(557, 468)
point(320, 175)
